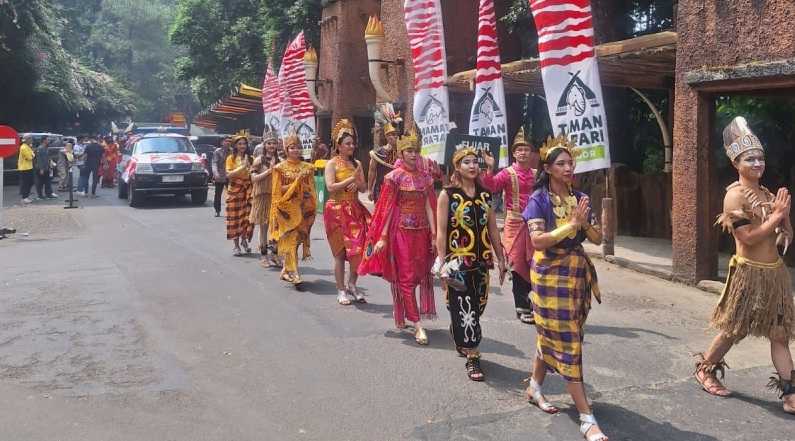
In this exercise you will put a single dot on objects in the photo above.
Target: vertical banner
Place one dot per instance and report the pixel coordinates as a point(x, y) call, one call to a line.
point(571, 78)
point(488, 110)
point(298, 112)
point(271, 99)
point(431, 101)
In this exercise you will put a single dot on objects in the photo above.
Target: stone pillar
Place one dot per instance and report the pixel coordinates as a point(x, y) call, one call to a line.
point(694, 238)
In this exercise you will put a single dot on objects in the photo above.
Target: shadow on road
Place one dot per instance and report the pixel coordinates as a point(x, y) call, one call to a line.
point(773, 407)
point(623, 332)
point(622, 424)
point(319, 287)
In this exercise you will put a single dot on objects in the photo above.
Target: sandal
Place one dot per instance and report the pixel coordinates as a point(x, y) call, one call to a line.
point(246, 247)
point(287, 277)
point(536, 397)
point(474, 372)
point(528, 319)
point(421, 337)
point(356, 294)
point(785, 388)
point(343, 298)
point(236, 252)
point(706, 374)
point(588, 422)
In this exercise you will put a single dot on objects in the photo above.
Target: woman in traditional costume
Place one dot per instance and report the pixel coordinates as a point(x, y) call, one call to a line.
point(467, 234)
point(516, 181)
point(401, 236)
point(261, 190)
point(344, 216)
point(293, 204)
point(109, 162)
point(563, 278)
point(238, 196)
point(757, 299)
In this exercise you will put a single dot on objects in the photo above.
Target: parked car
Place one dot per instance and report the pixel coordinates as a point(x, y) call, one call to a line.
point(162, 163)
point(10, 172)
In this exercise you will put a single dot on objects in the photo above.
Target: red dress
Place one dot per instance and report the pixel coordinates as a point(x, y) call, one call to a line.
point(408, 257)
point(109, 163)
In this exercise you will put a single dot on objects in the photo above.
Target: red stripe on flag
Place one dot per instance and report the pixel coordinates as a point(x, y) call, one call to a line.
point(567, 60)
point(565, 43)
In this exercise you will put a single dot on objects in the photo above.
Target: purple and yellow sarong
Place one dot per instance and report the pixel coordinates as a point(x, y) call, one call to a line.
point(563, 280)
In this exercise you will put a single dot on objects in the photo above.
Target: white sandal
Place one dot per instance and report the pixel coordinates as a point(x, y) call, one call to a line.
point(356, 294)
point(588, 421)
point(343, 298)
point(536, 397)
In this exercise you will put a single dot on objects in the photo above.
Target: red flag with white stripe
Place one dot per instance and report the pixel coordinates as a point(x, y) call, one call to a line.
point(488, 109)
point(571, 78)
point(271, 99)
point(431, 101)
point(298, 113)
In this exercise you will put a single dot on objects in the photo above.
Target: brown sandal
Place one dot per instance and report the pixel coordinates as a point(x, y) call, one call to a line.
point(706, 374)
point(474, 372)
point(785, 388)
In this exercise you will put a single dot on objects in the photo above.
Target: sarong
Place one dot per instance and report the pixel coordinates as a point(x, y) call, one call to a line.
point(346, 227)
point(563, 281)
point(238, 209)
point(756, 301)
point(412, 262)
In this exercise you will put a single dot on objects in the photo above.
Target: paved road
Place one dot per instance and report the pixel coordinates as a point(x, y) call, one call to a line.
point(138, 324)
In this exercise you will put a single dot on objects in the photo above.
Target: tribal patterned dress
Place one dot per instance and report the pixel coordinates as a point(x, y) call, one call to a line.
point(468, 243)
point(563, 280)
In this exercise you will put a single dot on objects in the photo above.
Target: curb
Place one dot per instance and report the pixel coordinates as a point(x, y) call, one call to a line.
point(709, 286)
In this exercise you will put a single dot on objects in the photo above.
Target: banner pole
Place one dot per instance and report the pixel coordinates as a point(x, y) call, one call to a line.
point(608, 221)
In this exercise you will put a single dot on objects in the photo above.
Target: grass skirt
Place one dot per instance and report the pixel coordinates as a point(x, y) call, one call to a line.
point(756, 301)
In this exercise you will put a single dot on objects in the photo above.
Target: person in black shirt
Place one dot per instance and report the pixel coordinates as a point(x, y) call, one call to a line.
point(43, 170)
point(93, 155)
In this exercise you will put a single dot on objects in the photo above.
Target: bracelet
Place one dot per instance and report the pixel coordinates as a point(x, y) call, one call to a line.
point(561, 233)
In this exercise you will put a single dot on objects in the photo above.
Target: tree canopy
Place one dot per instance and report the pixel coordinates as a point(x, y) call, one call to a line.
point(229, 41)
point(73, 65)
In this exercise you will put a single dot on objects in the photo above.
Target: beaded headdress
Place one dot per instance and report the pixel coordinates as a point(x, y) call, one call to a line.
point(269, 135)
point(738, 138)
point(557, 143)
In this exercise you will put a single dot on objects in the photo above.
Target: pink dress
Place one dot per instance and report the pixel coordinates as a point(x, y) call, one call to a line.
point(517, 183)
point(408, 257)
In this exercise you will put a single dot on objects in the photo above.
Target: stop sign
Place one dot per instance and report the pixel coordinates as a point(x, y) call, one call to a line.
point(9, 141)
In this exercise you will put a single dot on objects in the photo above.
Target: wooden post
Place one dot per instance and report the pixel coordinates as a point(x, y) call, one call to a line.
point(608, 230)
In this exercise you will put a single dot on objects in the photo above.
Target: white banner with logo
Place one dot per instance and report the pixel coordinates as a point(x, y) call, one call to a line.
point(431, 101)
point(571, 78)
point(488, 109)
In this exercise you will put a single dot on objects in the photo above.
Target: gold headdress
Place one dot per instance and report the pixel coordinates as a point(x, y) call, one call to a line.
point(461, 154)
point(559, 142)
point(342, 128)
point(237, 138)
point(738, 138)
point(520, 139)
point(407, 141)
point(389, 128)
point(290, 139)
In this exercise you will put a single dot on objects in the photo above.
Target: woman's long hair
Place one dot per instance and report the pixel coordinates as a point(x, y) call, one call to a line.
point(542, 177)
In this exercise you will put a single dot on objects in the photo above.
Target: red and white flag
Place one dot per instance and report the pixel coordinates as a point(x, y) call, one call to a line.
point(488, 110)
point(298, 113)
point(431, 101)
point(571, 78)
point(271, 99)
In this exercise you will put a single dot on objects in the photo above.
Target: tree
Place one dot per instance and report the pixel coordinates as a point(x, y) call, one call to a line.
point(228, 42)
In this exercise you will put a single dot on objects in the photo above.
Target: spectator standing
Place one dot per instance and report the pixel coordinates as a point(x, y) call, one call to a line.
point(43, 167)
point(93, 158)
point(66, 159)
point(25, 167)
point(219, 174)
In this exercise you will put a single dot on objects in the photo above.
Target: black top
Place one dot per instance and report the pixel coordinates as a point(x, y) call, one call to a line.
point(94, 154)
point(468, 227)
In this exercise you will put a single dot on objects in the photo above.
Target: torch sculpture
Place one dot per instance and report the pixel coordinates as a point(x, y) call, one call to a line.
point(310, 76)
point(374, 37)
